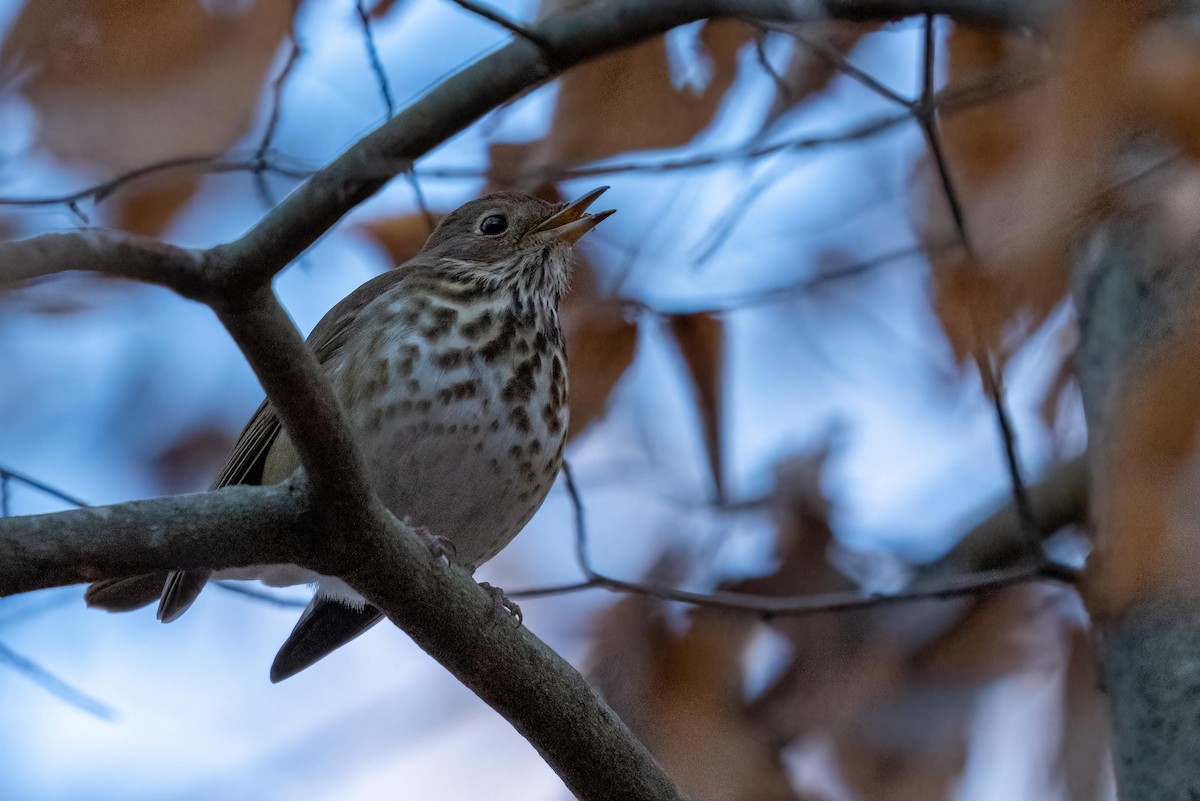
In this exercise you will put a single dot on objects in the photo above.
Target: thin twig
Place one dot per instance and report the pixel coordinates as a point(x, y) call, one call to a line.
point(78, 212)
point(555, 589)
point(785, 293)
point(207, 163)
point(760, 53)
point(56, 686)
point(260, 595)
point(7, 474)
point(415, 184)
point(926, 113)
point(1002, 83)
point(789, 606)
point(843, 65)
point(385, 89)
point(52, 683)
point(504, 22)
point(277, 87)
point(861, 131)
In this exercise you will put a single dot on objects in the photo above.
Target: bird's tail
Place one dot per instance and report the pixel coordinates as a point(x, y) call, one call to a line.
point(181, 589)
point(325, 626)
point(175, 591)
point(126, 594)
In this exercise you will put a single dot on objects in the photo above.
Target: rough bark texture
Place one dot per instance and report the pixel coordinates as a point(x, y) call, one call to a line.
point(1150, 659)
point(1140, 372)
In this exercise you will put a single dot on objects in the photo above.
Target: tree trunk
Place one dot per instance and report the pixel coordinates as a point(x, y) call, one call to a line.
point(1138, 298)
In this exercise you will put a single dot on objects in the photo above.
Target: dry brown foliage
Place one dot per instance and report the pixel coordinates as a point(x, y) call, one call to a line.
point(120, 84)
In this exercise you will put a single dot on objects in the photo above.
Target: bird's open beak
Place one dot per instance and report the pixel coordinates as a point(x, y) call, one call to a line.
point(573, 221)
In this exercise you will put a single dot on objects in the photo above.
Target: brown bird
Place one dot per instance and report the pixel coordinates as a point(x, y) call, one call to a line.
point(452, 372)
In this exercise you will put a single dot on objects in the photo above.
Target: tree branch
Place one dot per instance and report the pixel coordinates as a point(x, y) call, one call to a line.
point(1137, 290)
point(106, 252)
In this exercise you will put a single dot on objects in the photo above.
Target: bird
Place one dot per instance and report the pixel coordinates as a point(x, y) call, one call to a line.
point(452, 371)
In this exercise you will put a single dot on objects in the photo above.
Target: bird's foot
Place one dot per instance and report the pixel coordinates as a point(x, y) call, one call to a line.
point(504, 605)
point(442, 548)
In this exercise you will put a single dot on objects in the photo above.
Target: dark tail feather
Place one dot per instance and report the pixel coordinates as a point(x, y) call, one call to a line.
point(126, 594)
point(325, 626)
point(179, 592)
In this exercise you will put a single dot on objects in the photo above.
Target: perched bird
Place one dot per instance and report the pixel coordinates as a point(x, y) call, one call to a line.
point(452, 372)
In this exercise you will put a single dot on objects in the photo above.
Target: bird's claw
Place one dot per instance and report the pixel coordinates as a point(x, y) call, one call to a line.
point(504, 604)
point(442, 548)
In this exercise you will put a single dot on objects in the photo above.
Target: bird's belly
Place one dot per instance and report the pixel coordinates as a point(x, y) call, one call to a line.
point(453, 461)
point(465, 447)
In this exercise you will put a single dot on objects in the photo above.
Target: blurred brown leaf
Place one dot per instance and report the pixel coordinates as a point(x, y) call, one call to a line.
point(189, 463)
point(1144, 500)
point(1166, 71)
point(838, 662)
point(385, 7)
point(922, 760)
point(700, 338)
point(150, 207)
point(601, 340)
point(401, 237)
point(121, 84)
point(979, 302)
point(1029, 168)
point(1086, 729)
point(895, 689)
point(506, 160)
point(681, 694)
point(627, 100)
point(1012, 631)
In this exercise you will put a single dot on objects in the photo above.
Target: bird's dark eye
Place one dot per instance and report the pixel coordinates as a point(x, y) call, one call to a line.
point(493, 225)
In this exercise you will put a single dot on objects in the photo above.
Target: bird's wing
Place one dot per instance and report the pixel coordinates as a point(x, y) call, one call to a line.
point(245, 462)
point(325, 626)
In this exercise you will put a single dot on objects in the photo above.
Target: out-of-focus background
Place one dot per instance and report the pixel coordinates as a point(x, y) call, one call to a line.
point(772, 386)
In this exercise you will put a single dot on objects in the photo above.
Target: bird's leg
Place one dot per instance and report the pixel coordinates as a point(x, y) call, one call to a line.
point(504, 605)
point(442, 547)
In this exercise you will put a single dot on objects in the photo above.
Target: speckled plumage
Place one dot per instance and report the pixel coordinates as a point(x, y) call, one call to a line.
point(452, 372)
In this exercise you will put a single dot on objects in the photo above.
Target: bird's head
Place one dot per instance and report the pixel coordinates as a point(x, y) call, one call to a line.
point(513, 238)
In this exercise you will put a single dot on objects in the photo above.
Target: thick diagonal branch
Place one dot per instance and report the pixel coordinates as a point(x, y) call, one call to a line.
point(437, 604)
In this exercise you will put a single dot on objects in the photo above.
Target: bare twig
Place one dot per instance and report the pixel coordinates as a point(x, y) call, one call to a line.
point(496, 17)
point(208, 163)
point(385, 89)
point(1002, 83)
point(760, 53)
point(767, 607)
point(8, 474)
point(250, 591)
point(56, 686)
point(556, 589)
point(414, 183)
point(926, 111)
point(843, 65)
point(37, 673)
point(781, 294)
point(277, 87)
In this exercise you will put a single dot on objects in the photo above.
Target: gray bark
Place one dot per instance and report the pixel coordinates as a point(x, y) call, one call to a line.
point(1137, 300)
